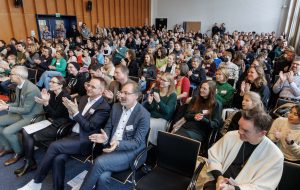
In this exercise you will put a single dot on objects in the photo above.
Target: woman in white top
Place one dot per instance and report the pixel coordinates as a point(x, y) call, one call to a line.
point(285, 132)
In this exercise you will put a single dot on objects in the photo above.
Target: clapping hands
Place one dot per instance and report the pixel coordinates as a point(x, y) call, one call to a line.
point(45, 97)
point(71, 106)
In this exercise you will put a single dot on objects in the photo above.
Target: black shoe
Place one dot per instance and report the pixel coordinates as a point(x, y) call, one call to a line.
point(28, 166)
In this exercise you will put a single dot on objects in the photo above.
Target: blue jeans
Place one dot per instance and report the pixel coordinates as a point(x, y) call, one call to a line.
point(46, 77)
point(99, 173)
point(4, 87)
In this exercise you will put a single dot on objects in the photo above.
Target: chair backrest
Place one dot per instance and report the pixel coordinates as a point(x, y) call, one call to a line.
point(177, 154)
point(290, 177)
point(32, 75)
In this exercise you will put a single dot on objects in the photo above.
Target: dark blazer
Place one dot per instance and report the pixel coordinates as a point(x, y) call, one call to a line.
point(92, 121)
point(134, 139)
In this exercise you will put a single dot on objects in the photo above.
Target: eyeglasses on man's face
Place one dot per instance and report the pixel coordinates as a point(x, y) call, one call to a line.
point(126, 93)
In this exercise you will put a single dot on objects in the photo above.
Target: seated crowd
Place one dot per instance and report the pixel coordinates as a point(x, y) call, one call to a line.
point(119, 87)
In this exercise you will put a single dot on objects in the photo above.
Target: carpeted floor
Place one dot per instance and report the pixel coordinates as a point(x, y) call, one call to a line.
point(9, 181)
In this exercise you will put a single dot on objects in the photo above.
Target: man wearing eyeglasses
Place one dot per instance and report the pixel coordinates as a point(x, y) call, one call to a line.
point(90, 115)
point(20, 113)
point(124, 136)
point(288, 84)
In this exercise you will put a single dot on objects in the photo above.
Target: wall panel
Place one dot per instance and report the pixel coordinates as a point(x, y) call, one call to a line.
point(18, 22)
point(122, 13)
point(117, 12)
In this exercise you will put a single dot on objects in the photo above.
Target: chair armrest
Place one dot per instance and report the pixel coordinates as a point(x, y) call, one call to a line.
point(139, 156)
point(212, 137)
point(64, 129)
point(192, 185)
point(36, 117)
point(137, 163)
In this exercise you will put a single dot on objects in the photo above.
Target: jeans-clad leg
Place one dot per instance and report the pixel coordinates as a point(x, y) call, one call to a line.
point(99, 173)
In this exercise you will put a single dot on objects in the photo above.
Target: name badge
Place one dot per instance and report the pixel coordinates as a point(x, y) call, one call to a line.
point(223, 91)
point(129, 127)
point(91, 111)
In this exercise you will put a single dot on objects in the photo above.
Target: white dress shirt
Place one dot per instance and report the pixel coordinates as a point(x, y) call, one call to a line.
point(118, 135)
point(89, 104)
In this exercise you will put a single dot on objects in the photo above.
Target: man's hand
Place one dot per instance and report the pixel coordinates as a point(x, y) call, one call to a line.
point(225, 186)
point(99, 138)
point(282, 76)
point(71, 106)
point(290, 76)
point(3, 107)
point(220, 181)
point(108, 94)
point(113, 145)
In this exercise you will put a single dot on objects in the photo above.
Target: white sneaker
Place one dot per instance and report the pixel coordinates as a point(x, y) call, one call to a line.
point(31, 186)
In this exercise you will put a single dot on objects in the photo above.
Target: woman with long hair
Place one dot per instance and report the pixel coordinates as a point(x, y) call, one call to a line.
point(161, 104)
point(203, 113)
point(131, 63)
point(256, 82)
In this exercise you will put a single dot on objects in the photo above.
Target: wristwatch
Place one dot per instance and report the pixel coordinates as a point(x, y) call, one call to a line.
point(291, 143)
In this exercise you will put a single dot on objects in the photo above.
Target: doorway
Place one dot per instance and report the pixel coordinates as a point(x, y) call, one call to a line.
point(161, 23)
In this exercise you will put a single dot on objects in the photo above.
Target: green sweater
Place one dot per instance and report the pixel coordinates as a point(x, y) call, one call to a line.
point(224, 93)
point(161, 62)
point(164, 109)
point(61, 66)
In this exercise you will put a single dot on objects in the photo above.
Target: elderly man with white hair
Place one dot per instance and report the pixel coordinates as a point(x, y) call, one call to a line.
point(20, 113)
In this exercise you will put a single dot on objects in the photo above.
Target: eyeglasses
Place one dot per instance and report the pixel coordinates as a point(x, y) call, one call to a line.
point(88, 85)
point(126, 93)
point(54, 82)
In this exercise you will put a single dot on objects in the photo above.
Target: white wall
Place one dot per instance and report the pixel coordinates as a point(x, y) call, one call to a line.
point(241, 15)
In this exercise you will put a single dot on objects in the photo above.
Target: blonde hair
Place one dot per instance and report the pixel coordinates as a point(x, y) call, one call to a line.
point(256, 100)
point(170, 79)
point(224, 72)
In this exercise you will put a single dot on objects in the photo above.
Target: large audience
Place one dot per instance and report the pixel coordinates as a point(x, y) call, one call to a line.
point(185, 80)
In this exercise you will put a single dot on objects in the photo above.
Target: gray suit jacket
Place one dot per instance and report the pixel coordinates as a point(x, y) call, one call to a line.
point(24, 104)
point(134, 138)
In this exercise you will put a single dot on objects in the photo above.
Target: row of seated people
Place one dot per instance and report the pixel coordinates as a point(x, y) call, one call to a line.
point(202, 115)
point(124, 128)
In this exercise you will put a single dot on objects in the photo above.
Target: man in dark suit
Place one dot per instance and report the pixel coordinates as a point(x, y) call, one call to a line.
point(91, 115)
point(20, 113)
point(125, 134)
